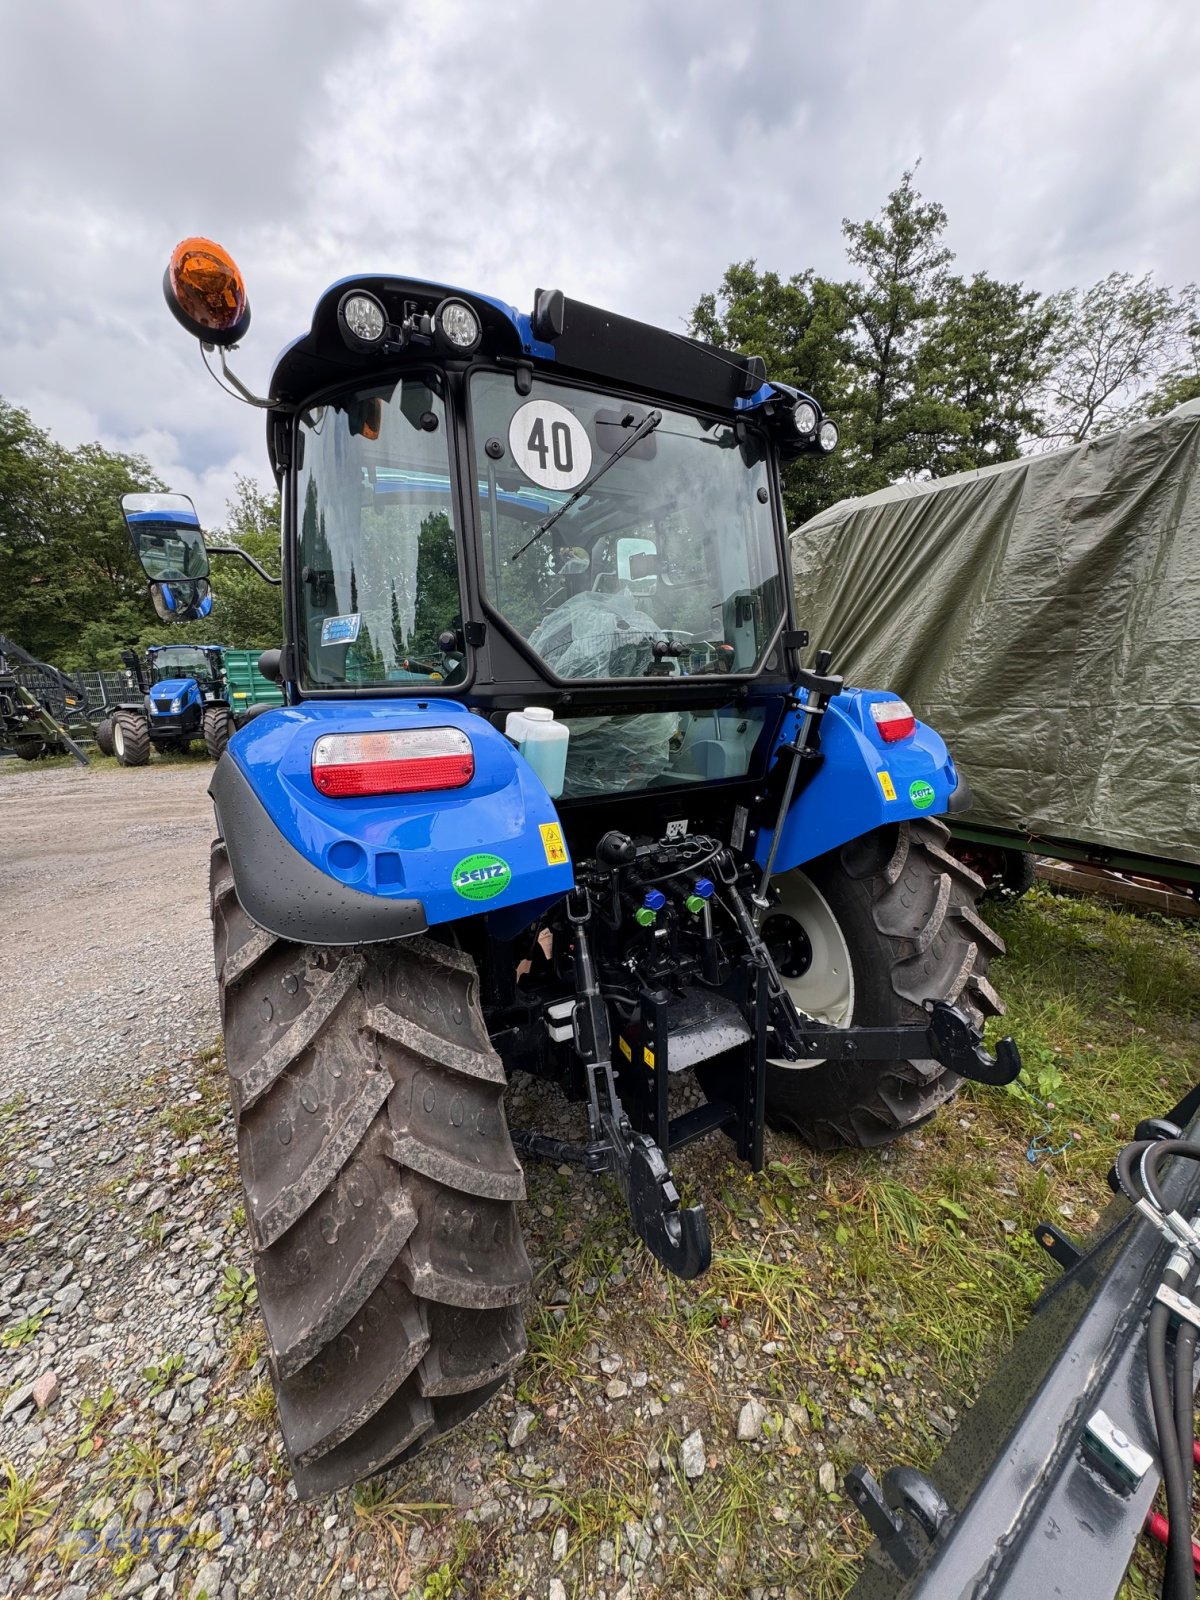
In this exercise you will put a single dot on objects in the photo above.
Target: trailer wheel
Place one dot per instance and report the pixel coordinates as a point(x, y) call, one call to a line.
point(29, 749)
point(104, 736)
point(869, 934)
point(381, 1188)
point(131, 739)
point(1017, 876)
point(218, 726)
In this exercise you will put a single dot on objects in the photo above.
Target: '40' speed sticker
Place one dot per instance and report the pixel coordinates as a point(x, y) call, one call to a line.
point(481, 877)
point(550, 444)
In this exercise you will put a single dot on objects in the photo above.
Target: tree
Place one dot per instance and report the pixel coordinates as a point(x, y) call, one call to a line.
point(902, 263)
point(1182, 382)
point(980, 369)
point(1118, 339)
point(67, 570)
point(925, 372)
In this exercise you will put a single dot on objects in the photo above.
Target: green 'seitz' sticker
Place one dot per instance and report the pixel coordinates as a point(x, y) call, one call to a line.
point(919, 792)
point(483, 877)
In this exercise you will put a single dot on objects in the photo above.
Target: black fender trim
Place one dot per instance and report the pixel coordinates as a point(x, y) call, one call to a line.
point(960, 796)
point(284, 893)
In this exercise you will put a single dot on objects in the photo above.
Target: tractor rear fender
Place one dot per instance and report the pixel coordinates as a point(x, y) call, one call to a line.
point(863, 782)
point(317, 869)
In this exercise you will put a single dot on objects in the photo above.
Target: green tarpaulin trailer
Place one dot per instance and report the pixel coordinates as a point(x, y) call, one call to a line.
point(1044, 616)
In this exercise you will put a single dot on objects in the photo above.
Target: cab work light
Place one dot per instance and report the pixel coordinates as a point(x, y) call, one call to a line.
point(403, 761)
point(894, 720)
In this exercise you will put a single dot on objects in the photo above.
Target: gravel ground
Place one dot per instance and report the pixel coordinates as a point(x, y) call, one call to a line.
point(104, 883)
point(645, 1448)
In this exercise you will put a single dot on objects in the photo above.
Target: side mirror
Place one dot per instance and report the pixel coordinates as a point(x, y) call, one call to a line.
point(165, 533)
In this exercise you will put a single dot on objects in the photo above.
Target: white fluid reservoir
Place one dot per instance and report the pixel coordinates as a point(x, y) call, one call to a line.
point(543, 742)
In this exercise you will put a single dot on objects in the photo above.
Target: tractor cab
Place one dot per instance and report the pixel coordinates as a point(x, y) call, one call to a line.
point(178, 670)
point(568, 508)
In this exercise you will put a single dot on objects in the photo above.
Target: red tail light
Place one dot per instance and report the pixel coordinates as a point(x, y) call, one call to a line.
point(893, 719)
point(399, 762)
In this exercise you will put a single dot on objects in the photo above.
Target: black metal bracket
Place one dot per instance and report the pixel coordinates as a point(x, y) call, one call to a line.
point(909, 1503)
point(1059, 1246)
point(675, 1235)
point(950, 1037)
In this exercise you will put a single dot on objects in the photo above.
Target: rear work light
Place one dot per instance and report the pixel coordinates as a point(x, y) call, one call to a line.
point(404, 761)
point(894, 720)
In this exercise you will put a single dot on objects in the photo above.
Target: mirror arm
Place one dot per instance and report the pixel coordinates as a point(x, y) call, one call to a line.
point(233, 380)
point(234, 550)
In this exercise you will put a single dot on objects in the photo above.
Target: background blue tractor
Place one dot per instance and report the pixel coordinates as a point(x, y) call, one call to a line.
point(552, 791)
point(184, 698)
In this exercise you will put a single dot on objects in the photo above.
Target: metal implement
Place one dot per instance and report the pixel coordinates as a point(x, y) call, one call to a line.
point(1054, 1469)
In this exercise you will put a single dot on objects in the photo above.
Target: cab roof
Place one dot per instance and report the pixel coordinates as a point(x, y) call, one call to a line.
point(594, 345)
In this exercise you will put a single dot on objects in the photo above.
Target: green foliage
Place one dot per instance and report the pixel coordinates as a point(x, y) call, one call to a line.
point(1116, 338)
point(166, 1373)
point(69, 583)
point(237, 1291)
point(928, 372)
point(71, 590)
point(19, 1333)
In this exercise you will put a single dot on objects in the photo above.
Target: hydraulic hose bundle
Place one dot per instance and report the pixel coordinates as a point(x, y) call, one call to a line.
point(1138, 1174)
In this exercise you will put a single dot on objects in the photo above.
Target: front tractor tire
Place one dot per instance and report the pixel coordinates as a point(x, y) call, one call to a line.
point(131, 739)
point(381, 1188)
point(218, 728)
point(104, 736)
point(870, 934)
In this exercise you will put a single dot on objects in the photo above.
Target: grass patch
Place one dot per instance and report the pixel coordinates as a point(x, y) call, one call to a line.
point(99, 763)
point(25, 1505)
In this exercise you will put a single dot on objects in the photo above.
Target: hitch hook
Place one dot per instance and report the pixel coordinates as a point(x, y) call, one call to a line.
point(955, 1042)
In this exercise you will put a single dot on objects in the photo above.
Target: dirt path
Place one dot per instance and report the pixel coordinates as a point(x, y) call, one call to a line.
point(104, 897)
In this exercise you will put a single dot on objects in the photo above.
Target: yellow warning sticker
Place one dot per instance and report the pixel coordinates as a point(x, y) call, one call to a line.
point(648, 1057)
point(626, 1050)
point(553, 844)
point(885, 783)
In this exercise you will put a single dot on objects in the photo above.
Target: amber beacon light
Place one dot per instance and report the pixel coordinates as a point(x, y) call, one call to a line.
point(205, 291)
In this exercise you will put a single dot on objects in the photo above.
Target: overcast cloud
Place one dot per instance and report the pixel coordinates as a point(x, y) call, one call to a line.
point(625, 153)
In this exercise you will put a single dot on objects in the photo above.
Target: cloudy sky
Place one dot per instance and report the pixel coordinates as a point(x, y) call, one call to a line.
point(625, 152)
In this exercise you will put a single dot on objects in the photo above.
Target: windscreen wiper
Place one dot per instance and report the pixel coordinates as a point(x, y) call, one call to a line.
point(645, 427)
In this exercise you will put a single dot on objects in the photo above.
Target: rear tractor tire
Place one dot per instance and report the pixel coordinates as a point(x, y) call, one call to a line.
point(870, 934)
point(104, 736)
point(131, 739)
point(218, 727)
point(381, 1188)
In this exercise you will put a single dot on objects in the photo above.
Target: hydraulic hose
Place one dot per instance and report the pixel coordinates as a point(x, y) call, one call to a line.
point(1180, 1580)
point(1138, 1169)
point(1154, 1153)
point(1185, 1400)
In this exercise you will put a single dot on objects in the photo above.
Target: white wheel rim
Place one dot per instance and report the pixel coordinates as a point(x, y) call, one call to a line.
point(826, 990)
point(118, 739)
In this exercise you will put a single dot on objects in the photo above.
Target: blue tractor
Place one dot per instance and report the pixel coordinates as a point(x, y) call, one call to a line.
point(553, 790)
point(183, 698)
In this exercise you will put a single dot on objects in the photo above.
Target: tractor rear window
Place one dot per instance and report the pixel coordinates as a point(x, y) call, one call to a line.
point(666, 566)
point(379, 593)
